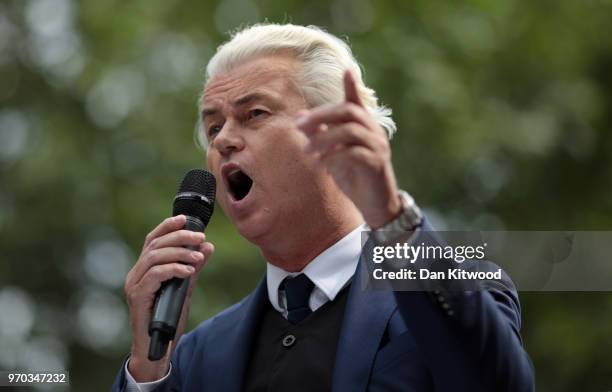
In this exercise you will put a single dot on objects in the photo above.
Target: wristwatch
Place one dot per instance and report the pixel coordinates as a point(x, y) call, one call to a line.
point(408, 220)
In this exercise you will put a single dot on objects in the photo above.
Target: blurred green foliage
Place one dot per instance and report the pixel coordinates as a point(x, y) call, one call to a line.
point(504, 121)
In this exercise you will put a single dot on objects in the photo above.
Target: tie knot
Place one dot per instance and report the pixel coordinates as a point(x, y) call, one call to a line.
point(297, 292)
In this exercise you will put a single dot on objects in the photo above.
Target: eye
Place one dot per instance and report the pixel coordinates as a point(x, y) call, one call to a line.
point(256, 113)
point(213, 130)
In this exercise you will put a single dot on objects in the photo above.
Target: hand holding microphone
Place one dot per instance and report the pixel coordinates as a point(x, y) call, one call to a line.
point(172, 257)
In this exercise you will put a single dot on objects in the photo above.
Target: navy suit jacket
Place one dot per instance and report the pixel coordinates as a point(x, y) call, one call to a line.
point(389, 341)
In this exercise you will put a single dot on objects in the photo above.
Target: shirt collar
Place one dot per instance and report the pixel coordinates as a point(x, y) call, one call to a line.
point(329, 271)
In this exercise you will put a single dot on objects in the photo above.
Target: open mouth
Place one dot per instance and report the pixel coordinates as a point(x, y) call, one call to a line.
point(239, 184)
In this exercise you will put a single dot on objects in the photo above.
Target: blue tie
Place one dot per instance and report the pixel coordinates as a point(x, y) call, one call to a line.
point(297, 291)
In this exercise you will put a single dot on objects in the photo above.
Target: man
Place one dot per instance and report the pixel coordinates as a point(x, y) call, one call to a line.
point(300, 150)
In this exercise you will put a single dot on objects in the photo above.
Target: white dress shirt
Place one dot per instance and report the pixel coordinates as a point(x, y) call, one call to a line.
point(330, 272)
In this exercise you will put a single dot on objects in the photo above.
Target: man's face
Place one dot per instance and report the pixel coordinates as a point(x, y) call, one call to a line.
point(266, 183)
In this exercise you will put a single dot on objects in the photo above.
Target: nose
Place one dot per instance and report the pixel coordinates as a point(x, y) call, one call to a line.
point(228, 140)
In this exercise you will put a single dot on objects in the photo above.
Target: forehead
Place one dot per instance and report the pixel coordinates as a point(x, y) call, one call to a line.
point(271, 74)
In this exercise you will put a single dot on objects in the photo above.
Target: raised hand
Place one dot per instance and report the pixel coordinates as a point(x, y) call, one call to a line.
point(355, 150)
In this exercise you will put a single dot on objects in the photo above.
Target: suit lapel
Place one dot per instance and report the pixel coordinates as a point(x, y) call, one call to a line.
point(365, 319)
point(367, 313)
point(228, 346)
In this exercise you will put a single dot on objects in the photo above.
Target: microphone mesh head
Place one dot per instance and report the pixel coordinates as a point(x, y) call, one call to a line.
point(203, 183)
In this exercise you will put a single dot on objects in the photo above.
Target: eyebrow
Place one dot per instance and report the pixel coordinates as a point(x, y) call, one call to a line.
point(244, 100)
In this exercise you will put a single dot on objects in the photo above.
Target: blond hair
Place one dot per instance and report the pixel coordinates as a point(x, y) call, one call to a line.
point(323, 56)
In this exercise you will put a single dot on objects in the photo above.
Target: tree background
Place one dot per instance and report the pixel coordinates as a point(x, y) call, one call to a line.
point(503, 109)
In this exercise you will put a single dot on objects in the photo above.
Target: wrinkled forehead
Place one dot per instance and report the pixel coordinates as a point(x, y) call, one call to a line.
point(274, 75)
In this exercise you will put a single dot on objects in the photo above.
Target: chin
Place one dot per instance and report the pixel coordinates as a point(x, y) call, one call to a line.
point(255, 229)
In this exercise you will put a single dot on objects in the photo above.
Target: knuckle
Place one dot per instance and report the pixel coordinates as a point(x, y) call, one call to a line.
point(203, 257)
point(157, 272)
point(352, 129)
point(149, 238)
point(351, 109)
point(141, 258)
point(153, 243)
point(151, 257)
point(131, 295)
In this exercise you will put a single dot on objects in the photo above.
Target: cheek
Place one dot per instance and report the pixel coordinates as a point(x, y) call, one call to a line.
point(286, 156)
point(293, 168)
point(212, 164)
point(212, 161)
point(289, 142)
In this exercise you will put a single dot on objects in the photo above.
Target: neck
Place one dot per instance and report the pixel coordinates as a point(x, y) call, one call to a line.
point(295, 252)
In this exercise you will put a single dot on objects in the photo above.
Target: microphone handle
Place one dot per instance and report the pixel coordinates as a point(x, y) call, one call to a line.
point(169, 304)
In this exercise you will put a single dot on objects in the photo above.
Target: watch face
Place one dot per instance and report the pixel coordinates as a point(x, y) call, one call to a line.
point(411, 216)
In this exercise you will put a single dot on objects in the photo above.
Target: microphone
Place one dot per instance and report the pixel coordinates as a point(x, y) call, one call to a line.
point(195, 199)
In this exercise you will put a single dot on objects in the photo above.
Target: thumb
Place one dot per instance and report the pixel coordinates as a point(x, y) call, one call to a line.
point(350, 88)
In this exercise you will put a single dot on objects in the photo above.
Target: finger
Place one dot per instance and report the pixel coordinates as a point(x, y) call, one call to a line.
point(342, 160)
point(177, 238)
point(207, 249)
point(165, 256)
point(334, 114)
point(351, 93)
point(168, 225)
point(345, 135)
point(152, 280)
point(301, 113)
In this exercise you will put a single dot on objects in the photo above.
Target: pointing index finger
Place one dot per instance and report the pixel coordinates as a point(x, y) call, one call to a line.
point(350, 88)
point(310, 122)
